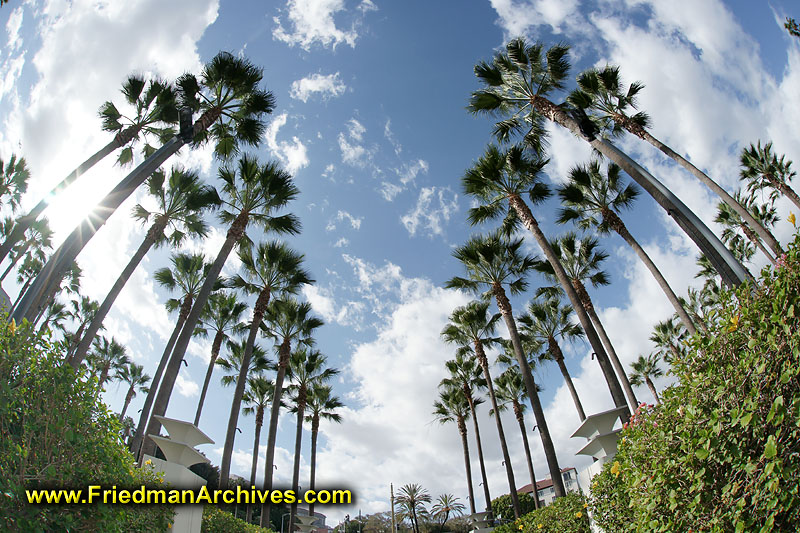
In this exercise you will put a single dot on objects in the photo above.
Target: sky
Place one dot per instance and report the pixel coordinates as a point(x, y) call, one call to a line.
point(371, 121)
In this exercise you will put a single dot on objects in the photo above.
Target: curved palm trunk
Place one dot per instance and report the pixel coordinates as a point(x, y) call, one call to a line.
point(103, 377)
point(731, 271)
point(530, 385)
point(136, 442)
point(73, 342)
point(313, 480)
point(215, 347)
point(241, 382)
point(652, 388)
point(512, 485)
point(283, 363)
point(462, 430)
point(784, 188)
point(254, 467)
point(165, 391)
point(22, 292)
point(153, 234)
point(521, 421)
point(755, 240)
point(128, 398)
point(530, 222)
point(558, 356)
point(298, 441)
point(484, 481)
point(616, 223)
point(740, 210)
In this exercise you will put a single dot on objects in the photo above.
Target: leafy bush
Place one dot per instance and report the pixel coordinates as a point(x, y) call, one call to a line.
point(722, 452)
point(564, 515)
point(218, 521)
point(56, 434)
point(501, 506)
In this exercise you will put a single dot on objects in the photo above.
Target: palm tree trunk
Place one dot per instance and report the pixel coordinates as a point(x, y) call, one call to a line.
point(103, 377)
point(298, 441)
point(272, 435)
point(756, 241)
point(128, 398)
point(15, 261)
point(22, 292)
point(216, 344)
point(478, 444)
point(558, 356)
point(313, 480)
point(763, 232)
point(241, 382)
point(254, 466)
point(731, 271)
point(73, 343)
point(652, 388)
point(530, 385)
point(530, 222)
point(462, 430)
point(512, 485)
point(165, 391)
point(521, 421)
point(136, 442)
point(153, 234)
point(783, 188)
point(616, 223)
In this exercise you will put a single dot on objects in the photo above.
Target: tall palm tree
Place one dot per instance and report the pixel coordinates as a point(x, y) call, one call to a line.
point(504, 178)
point(452, 406)
point(492, 262)
point(26, 274)
point(69, 284)
point(511, 390)
point(645, 369)
point(256, 398)
point(412, 499)
point(223, 317)
point(107, 356)
point(322, 405)
point(232, 107)
point(154, 110)
point(187, 275)
point(472, 328)
point(133, 375)
point(83, 311)
point(446, 504)
point(517, 84)
point(763, 169)
point(602, 92)
point(37, 240)
point(767, 215)
point(251, 194)
point(306, 369)
point(669, 338)
point(546, 321)
point(274, 269)
point(467, 376)
point(593, 200)
point(14, 177)
point(55, 316)
point(257, 363)
point(180, 201)
point(288, 322)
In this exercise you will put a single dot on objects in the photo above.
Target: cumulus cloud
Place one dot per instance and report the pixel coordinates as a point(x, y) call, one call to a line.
point(294, 154)
point(329, 86)
point(354, 222)
point(435, 206)
point(312, 21)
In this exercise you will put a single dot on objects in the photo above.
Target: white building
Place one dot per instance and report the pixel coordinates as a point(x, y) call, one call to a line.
point(545, 486)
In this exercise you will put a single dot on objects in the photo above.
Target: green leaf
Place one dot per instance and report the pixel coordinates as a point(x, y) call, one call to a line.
point(701, 454)
point(771, 449)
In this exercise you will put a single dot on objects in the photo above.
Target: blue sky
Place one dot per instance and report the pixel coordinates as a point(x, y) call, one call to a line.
point(371, 120)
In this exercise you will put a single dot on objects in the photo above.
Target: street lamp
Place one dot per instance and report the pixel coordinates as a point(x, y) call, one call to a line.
point(282, 518)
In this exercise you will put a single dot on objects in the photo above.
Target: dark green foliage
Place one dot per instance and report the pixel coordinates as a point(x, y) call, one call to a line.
point(218, 521)
point(721, 452)
point(501, 507)
point(564, 515)
point(56, 434)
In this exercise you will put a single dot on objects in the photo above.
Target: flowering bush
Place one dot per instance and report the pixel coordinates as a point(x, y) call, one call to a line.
point(218, 521)
point(564, 515)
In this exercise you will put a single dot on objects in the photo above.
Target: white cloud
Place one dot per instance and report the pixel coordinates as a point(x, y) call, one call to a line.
point(341, 243)
point(312, 21)
point(355, 223)
point(517, 17)
point(433, 209)
point(353, 153)
point(329, 86)
point(13, 25)
point(187, 387)
point(293, 155)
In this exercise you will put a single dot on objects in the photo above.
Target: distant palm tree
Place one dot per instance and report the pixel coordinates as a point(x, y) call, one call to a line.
point(452, 406)
point(446, 504)
point(645, 369)
point(767, 215)
point(472, 328)
point(55, 316)
point(763, 169)
point(322, 405)
point(14, 177)
point(107, 356)
point(26, 274)
point(36, 241)
point(256, 398)
point(668, 336)
point(412, 499)
point(134, 376)
point(83, 311)
point(231, 365)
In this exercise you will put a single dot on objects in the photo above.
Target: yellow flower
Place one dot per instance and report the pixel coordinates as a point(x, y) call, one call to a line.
point(148, 462)
point(734, 323)
point(791, 218)
point(615, 468)
point(585, 505)
point(520, 526)
point(12, 326)
point(578, 514)
point(540, 526)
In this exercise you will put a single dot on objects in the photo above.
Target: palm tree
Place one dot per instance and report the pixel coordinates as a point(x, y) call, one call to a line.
point(154, 110)
point(134, 376)
point(306, 369)
point(645, 369)
point(187, 275)
point(223, 315)
point(83, 310)
point(581, 261)
point(55, 315)
point(14, 177)
point(252, 194)
point(256, 398)
point(767, 215)
point(26, 274)
point(322, 405)
point(287, 321)
point(492, 262)
point(232, 107)
point(472, 329)
point(444, 506)
point(452, 406)
point(70, 284)
point(467, 376)
point(274, 269)
point(668, 337)
point(517, 85)
point(412, 498)
point(180, 203)
point(257, 363)
point(592, 200)
point(545, 321)
point(37, 240)
point(511, 390)
point(603, 92)
point(499, 178)
point(762, 169)
point(105, 357)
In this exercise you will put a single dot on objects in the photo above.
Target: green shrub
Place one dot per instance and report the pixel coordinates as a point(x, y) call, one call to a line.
point(610, 503)
point(501, 506)
point(722, 451)
point(564, 515)
point(218, 521)
point(56, 434)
